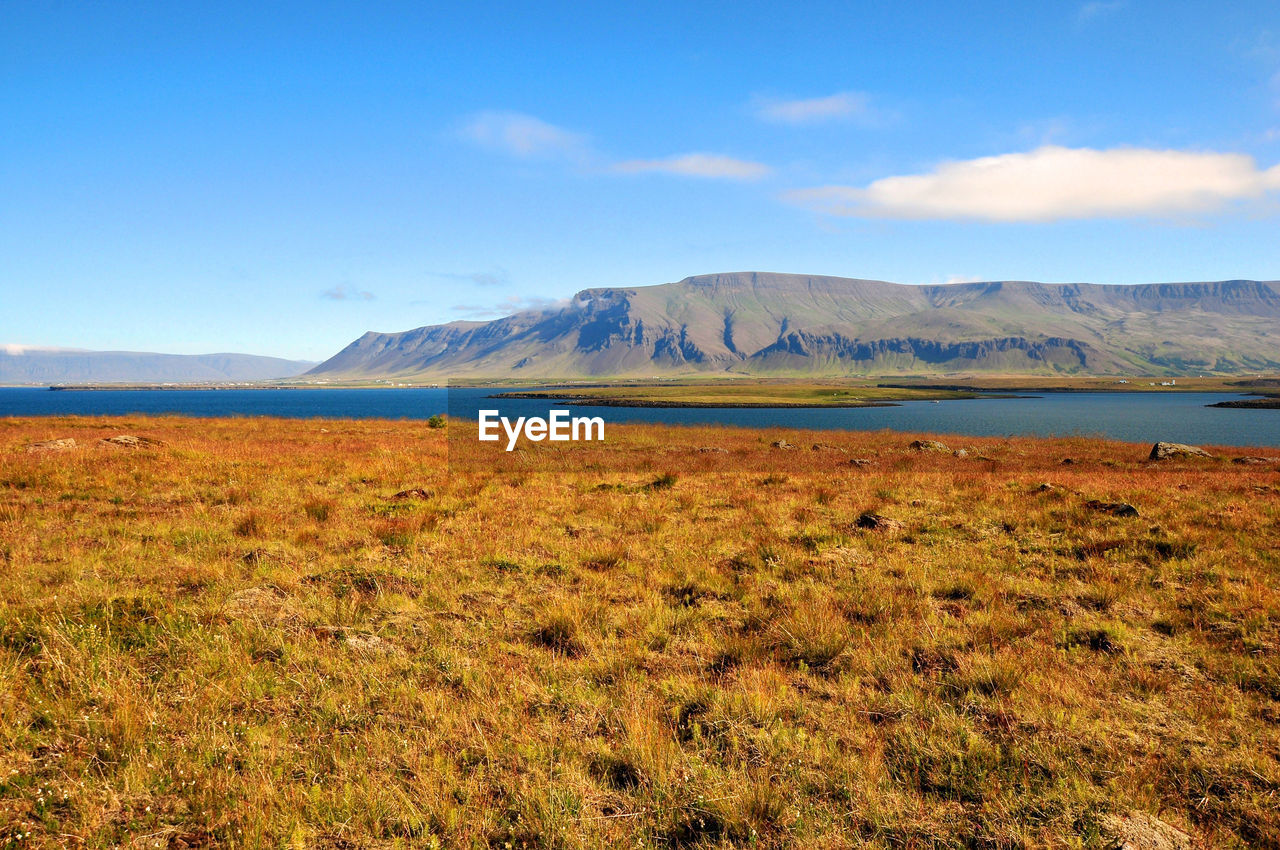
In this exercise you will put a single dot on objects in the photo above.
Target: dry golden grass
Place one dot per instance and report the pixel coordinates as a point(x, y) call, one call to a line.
point(241, 637)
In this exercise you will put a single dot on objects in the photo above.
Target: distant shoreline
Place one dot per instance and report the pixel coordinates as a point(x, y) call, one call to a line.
point(1250, 404)
point(167, 387)
point(155, 387)
point(591, 401)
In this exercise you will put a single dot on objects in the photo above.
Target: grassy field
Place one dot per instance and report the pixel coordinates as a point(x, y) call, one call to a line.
point(241, 635)
point(745, 393)
point(854, 391)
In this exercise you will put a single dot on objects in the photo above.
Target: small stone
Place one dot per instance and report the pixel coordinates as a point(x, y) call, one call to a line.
point(1140, 831)
point(369, 644)
point(929, 446)
point(1164, 451)
point(827, 447)
point(1068, 461)
point(1253, 460)
point(414, 493)
point(254, 557)
point(960, 453)
point(861, 461)
point(713, 450)
point(265, 604)
point(130, 441)
point(63, 445)
point(782, 444)
point(1113, 508)
point(878, 522)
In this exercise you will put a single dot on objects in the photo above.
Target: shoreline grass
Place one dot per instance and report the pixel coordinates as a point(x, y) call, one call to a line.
point(320, 633)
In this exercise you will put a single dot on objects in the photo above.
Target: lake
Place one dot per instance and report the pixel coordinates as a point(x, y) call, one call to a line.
point(1136, 417)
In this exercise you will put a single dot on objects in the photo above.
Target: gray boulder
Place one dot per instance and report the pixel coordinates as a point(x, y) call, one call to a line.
point(1140, 831)
point(878, 522)
point(129, 441)
point(63, 445)
point(929, 446)
point(1164, 451)
point(1113, 508)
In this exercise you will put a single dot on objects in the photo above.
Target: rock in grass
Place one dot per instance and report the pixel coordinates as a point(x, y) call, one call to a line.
point(861, 461)
point(369, 644)
point(361, 642)
point(129, 441)
point(1253, 460)
point(827, 447)
point(929, 446)
point(782, 444)
point(1113, 508)
point(63, 445)
point(1140, 831)
point(878, 522)
point(1164, 451)
point(413, 493)
point(266, 604)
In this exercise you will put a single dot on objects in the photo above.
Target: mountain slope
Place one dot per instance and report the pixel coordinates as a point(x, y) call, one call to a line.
point(29, 365)
point(764, 323)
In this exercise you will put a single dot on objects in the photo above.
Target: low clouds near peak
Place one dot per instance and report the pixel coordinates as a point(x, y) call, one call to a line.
point(508, 306)
point(1055, 183)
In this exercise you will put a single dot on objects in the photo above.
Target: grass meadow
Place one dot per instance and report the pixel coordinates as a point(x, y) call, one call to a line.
point(322, 634)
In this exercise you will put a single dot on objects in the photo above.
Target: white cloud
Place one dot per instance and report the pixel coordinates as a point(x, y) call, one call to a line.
point(343, 292)
point(497, 277)
point(1098, 9)
point(525, 136)
point(1053, 183)
point(17, 349)
point(704, 165)
point(839, 106)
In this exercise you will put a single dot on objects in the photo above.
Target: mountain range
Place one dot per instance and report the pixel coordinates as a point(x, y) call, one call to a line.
point(789, 324)
point(33, 365)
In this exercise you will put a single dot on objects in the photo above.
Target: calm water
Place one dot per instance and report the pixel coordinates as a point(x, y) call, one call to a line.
point(1138, 417)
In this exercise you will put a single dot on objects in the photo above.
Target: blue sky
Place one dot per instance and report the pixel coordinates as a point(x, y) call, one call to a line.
point(278, 178)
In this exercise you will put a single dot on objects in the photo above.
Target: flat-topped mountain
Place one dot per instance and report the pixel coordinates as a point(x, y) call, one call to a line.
point(789, 324)
point(34, 365)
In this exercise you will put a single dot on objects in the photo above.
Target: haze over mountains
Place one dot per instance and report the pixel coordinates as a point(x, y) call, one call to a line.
point(34, 365)
point(786, 324)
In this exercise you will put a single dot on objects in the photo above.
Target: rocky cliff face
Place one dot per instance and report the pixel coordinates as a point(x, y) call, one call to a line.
point(758, 323)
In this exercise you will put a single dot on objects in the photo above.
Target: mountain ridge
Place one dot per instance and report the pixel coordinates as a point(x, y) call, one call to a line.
point(771, 323)
point(41, 365)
